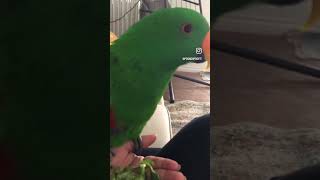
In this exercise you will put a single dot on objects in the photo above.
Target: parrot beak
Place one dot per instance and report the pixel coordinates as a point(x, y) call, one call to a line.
point(204, 53)
point(206, 50)
point(113, 37)
point(314, 16)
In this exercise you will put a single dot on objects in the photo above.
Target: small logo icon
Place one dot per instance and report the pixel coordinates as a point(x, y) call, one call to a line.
point(198, 50)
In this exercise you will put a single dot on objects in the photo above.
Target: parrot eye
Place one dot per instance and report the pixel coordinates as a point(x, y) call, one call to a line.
point(186, 28)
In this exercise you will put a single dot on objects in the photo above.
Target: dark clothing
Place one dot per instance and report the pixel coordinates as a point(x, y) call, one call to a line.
point(308, 173)
point(190, 147)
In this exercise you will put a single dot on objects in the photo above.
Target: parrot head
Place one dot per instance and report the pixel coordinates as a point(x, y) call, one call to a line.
point(170, 37)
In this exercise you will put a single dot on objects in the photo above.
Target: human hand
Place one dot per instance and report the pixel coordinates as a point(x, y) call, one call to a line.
point(167, 169)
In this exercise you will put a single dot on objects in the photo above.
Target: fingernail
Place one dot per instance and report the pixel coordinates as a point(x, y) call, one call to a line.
point(179, 166)
point(185, 178)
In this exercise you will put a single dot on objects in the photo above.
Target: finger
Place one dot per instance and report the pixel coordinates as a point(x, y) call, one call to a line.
point(128, 160)
point(122, 159)
point(129, 146)
point(170, 175)
point(119, 154)
point(135, 163)
point(147, 140)
point(164, 163)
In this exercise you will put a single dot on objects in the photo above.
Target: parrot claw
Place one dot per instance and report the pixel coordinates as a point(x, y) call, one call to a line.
point(137, 145)
point(112, 154)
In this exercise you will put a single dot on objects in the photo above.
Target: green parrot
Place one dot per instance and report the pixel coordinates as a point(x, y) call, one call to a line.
point(143, 60)
point(52, 86)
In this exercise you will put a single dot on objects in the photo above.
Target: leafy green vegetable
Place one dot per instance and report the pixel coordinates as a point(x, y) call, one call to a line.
point(144, 171)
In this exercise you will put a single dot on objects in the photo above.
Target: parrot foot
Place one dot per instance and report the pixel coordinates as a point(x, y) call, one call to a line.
point(137, 145)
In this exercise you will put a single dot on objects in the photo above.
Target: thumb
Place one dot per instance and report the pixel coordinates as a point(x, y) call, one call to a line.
point(147, 140)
